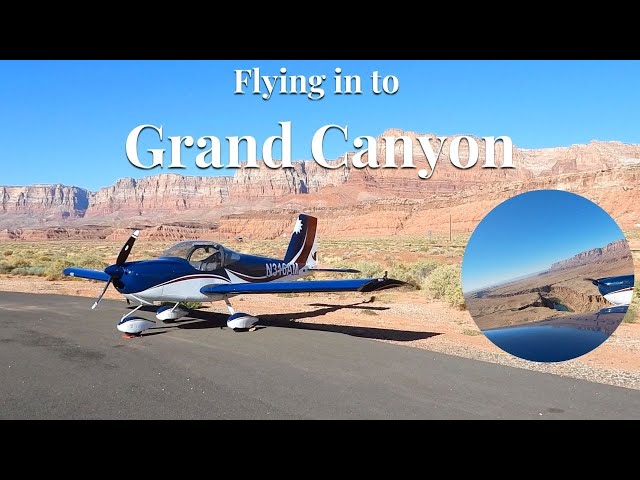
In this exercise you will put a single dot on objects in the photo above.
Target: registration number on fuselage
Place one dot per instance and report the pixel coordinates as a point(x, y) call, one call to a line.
point(281, 269)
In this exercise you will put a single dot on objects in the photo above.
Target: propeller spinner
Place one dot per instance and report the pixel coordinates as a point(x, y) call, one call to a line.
point(115, 271)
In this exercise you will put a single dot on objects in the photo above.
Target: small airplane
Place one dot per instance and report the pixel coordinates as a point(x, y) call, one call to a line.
point(617, 290)
point(205, 271)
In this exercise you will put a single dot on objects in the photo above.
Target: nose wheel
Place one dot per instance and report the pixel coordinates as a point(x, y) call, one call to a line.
point(133, 326)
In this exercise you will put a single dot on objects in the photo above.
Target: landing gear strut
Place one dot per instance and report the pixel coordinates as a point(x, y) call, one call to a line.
point(239, 321)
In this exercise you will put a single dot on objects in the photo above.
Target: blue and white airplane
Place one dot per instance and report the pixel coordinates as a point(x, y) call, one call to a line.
point(617, 290)
point(205, 271)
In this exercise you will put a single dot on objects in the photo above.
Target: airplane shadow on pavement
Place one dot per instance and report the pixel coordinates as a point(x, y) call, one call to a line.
point(198, 319)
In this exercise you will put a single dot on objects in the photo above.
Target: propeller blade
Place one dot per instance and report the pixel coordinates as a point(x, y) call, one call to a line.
point(126, 249)
point(115, 271)
point(102, 294)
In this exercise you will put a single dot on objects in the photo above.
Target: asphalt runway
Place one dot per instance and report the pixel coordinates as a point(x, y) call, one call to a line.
point(61, 360)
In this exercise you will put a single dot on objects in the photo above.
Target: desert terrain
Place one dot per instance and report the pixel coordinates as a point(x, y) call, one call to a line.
point(375, 220)
point(407, 316)
point(561, 291)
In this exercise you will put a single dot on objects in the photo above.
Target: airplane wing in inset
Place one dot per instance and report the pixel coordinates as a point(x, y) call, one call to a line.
point(357, 285)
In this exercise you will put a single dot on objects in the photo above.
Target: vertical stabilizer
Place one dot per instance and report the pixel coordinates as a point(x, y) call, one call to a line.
point(303, 246)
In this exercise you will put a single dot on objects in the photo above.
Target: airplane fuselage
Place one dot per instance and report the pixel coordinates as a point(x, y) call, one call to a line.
point(205, 271)
point(173, 279)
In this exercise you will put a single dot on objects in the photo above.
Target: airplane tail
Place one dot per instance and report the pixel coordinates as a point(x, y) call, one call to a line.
point(303, 247)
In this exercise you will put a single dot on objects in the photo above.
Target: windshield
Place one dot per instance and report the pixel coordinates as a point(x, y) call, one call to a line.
point(203, 255)
point(183, 249)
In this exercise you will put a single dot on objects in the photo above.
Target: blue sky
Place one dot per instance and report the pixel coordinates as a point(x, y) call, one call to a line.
point(529, 232)
point(67, 121)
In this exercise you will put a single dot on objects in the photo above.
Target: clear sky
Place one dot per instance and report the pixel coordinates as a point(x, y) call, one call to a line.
point(529, 232)
point(67, 121)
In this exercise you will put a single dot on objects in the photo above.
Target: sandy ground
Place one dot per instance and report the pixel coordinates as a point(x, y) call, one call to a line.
point(402, 317)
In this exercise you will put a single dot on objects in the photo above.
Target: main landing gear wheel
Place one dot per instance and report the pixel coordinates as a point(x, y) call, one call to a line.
point(168, 314)
point(240, 322)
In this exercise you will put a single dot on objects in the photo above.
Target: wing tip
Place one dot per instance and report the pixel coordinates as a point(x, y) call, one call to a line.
point(381, 284)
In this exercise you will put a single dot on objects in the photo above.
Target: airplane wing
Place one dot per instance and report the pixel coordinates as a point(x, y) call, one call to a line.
point(86, 273)
point(338, 270)
point(357, 285)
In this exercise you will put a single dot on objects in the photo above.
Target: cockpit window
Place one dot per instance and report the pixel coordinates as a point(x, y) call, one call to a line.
point(203, 255)
point(179, 250)
point(206, 258)
point(200, 254)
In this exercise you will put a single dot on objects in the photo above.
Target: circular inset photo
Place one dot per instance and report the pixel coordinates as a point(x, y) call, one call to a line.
point(547, 275)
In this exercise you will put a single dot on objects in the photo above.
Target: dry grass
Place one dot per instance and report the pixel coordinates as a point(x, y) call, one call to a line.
point(414, 261)
point(419, 261)
point(408, 259)
point(634, 309)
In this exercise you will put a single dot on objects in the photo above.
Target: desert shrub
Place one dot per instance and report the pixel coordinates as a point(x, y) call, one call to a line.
point(632, 312)
point(471, 333)
point(53, 271)
point(7, 253)
point(90, 261)
point(367, 269)
point(18, 263)
point(444, 283)
point(4, 268)
point(632, 315)
point(413, 273)
point(401, 271)
point(187, 305)
point(424, 268)
point(39, 271)
point(418, 272)
point(191, 305)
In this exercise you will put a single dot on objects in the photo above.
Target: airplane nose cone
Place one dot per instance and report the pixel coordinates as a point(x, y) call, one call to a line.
point(114, 271)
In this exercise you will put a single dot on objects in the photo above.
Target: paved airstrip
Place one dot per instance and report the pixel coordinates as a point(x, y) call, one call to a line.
point(61, 360)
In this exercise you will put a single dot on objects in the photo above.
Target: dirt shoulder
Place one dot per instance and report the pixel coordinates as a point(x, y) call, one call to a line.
point(403, 317)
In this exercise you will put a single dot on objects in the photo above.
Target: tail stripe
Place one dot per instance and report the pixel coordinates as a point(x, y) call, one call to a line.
point(308, 241)
point(303, 241)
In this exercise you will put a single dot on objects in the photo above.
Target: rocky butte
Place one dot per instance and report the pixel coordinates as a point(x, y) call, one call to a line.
point(611, 253)
point(260, 203)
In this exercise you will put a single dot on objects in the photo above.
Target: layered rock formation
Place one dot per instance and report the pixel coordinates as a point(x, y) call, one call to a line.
point(44, 201)
point(261, 202)
point(610, 253)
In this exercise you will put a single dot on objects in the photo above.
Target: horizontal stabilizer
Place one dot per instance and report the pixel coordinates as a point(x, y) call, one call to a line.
point(86, 273)
point(335, 270)
point(302, 286)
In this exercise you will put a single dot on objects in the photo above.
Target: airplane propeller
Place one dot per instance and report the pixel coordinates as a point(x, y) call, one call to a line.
point(115, 271)
point(592, 280)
